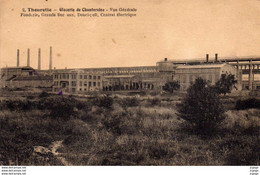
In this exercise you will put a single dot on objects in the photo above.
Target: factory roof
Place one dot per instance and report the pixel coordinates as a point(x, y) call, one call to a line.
point(203, 60)
point(201, 66)
point(119, 76)
point(40, 77)
point(20, 67)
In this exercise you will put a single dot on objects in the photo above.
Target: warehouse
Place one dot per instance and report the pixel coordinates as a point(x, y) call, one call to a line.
point(186, 74)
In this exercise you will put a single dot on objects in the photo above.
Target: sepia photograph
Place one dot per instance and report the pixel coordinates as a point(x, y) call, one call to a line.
point(129, 83)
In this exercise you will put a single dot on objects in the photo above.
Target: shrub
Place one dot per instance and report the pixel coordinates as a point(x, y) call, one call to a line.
point(129, 102)
point(44, 94)
point(83, 105)
point(30, 97)
point(113, 123)
point(45, 103)
point(62, 108)
point(242, 150)
point(171, 86)
point(15, 146)
point(245, 122)
point(104, 102)
point(154, 101)
point(247, 104)
point(19, 105)
point(225, 84)
point(201, 108)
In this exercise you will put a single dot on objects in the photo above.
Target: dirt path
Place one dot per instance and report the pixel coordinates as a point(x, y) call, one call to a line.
point(54, 146)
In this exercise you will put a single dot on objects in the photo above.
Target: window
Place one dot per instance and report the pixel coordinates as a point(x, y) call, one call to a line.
point(67, 76)
point(94, 83)
point(94, 77)
point(64, 76)
point(85, 89)
point(80, 77)
point(99, 77)
point(90, 77)
point(73, 76)
point(89, 84)
point(73, 83)
point(98, 84)
point(85, 76)
point(80, 83)
point(85, 83)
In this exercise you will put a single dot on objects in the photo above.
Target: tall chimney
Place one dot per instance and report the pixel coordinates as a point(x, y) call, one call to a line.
point(28, 57)
point(50, 66)
point(39, 59)
point(18, 58)
point(216, 57)
point(207, 58)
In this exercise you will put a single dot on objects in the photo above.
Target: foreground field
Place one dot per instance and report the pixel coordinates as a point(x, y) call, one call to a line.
point(119, 130)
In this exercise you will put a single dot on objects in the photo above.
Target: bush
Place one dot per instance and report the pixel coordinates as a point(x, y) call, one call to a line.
point(18, 105)
point(242, 150)
point(30, 97)
point(154, 101)
point(15, 146)
point(201, 108)
point(104, 102)
point(83, 105)
point(112, 124)
point(225, 84)
point(247, 104)
point(62, 108)
point(129, 102)
point(171, 86)
point(44, 94)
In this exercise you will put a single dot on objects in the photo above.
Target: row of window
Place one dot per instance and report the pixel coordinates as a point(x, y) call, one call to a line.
point(191, 78)
point(81, 83)
point(74, 76)
point(89, 77)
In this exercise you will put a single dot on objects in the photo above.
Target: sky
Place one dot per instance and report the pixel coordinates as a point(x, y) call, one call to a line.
point(176, 29)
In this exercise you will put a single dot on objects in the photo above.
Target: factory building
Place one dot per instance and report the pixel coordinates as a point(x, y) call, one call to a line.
point(26, 76)
point(187, 74)
point(129, 82)
point(131, 78)
point(76, 81)
point(23, 77)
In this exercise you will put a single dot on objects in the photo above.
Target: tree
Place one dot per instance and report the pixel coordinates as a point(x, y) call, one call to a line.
point(201, 108)
point(225, 84)
point(171, 86)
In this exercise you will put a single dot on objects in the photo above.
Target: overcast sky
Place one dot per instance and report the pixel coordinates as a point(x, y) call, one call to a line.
point(176, 29)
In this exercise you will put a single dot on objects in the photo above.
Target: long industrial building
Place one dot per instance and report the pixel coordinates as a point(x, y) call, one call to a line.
point(137, 78)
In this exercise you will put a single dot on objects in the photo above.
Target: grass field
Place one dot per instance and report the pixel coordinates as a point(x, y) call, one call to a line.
point(120, 130)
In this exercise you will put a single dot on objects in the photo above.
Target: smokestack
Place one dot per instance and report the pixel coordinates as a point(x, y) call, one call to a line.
point(28, 57)
point(207, 58)
point(216, 57)
point(50, 66)
point(18, 58)
point(39, 59)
